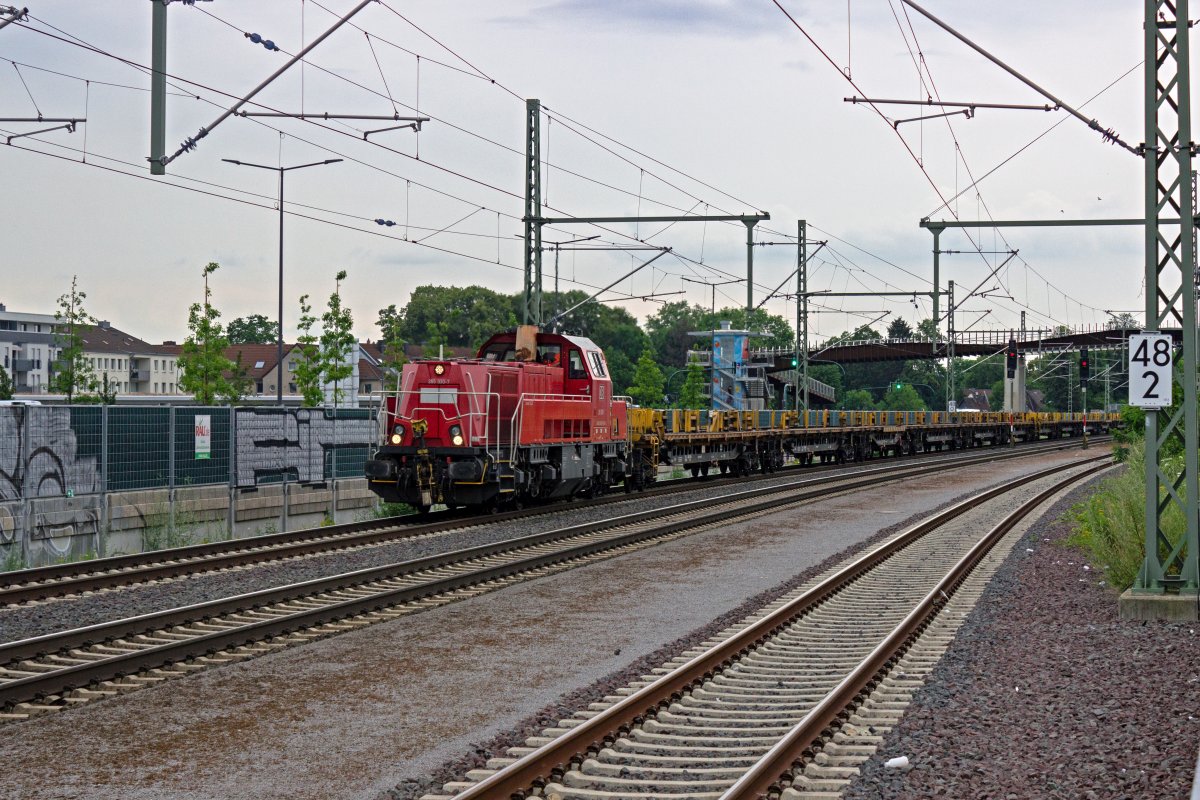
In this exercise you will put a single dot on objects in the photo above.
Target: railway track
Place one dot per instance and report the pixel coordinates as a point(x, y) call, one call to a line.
point(788, 703)
point(72, 667)
point(64, 580)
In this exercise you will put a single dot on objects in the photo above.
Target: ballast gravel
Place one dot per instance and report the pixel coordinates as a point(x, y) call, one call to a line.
point(1046, 693)
point(39, 619)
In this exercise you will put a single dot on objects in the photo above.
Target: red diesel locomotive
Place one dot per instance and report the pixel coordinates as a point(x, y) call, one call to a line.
point(531, 417)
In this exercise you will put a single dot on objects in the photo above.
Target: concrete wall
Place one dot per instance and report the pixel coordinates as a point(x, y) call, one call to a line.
point(71, 528)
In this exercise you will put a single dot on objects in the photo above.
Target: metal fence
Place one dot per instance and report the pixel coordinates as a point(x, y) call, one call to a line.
point(68, 451)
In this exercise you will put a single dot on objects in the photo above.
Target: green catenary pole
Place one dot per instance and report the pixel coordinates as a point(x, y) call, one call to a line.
point(158, 87)
point(532, 312)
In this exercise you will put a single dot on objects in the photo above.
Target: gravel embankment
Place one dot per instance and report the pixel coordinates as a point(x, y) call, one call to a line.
point(1045, 693)
point(39, 619)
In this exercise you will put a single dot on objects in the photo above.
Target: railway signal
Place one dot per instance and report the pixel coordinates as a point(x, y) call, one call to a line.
point(1085, 367)
point(1010, 359)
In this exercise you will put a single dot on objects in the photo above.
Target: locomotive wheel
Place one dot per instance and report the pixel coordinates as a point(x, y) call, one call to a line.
point(704, 470)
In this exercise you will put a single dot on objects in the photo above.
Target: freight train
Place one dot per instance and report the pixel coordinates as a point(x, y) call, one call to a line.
point(533, 418)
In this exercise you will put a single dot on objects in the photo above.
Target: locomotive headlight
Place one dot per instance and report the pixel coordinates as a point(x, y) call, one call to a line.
point(440, 369)
point(397, 433)
point(456, 435)
point(397, 438)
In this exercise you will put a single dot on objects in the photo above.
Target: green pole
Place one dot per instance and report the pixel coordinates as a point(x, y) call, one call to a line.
point(532, 312)
point(158, 87)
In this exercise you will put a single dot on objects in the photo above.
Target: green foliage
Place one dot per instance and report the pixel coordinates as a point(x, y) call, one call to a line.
point(306, 358)
point(391, 338)
point(668, 329)
point(254, 329)
point(6, 385)
point(856, 400)
point(13, 560)
point(338, 342)
point(903, 399)
point(1109, 525)
point(899, 329)
point(692, 394)
point(457, 317)
point(238, 383)
point(385, 509)
point(73, 373)
point(202, 361)
point(647, 387)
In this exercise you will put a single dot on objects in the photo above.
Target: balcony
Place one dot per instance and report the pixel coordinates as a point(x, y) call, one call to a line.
point(23, 364)
point(139, 375)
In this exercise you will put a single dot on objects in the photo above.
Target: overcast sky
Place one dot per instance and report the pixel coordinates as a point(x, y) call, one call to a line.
point(700, 106)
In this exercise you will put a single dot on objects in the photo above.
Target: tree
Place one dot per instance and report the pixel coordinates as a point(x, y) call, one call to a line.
point(692, 394)
point(904, 398)
point(202, 360)
point(306, 363)
point(73, 373)
point(338, 342)
point(899, 329)
point(6, 385)
point(857, 400)
point(238, 381)
point(668, 330)
point(254, 329)
point(391, 340)
point(647, 388)
point(454, 316)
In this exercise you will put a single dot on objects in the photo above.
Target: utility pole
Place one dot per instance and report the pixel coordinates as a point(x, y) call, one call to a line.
point(158, 87)
point(802, 315)
point(1170, 262)
point(532, 311)
point(950, 393)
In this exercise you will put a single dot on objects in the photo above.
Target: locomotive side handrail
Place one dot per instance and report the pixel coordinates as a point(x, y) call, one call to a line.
point(526, 401)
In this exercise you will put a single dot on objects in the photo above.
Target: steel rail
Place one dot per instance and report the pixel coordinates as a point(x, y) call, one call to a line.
point(60, 580)
point(118, 665)
point(808, 733)
point(553, 758)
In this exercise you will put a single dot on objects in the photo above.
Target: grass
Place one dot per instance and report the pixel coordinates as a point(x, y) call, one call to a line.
point(189, 528)
point(1110, 524)
point(13, 560)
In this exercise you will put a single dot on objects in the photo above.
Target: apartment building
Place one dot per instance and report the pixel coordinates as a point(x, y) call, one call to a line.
point(28, 349)
point(131, 365)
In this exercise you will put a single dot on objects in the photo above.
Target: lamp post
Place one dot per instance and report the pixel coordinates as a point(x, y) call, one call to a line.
point(279, 329)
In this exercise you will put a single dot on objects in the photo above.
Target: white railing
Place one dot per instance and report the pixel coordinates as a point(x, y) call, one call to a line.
point(528, 401)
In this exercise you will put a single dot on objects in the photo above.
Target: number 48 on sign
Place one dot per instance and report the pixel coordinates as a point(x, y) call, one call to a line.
point(1150, 358)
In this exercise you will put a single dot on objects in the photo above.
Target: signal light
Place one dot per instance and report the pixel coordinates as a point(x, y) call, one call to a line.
point(899, 385)
point(795, 362)
point(1010, 358)
point(1085, 367)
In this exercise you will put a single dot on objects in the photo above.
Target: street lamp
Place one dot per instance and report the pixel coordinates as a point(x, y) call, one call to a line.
point(279, 330)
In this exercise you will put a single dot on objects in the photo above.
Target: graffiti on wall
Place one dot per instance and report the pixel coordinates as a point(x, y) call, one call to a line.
point(48, 470)
point(296, 442)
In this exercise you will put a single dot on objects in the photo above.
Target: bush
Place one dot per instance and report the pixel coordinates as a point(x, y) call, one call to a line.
point(1110, 524)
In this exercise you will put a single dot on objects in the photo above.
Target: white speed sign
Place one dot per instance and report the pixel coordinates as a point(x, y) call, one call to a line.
point(1150, 358)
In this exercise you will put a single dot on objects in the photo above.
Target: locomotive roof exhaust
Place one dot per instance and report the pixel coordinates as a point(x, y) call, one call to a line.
point(526, 345)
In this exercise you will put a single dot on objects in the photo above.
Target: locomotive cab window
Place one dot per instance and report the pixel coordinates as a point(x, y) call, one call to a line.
point(576, 370)
point(597, 364)
point(550, 354)
point(439, 396)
